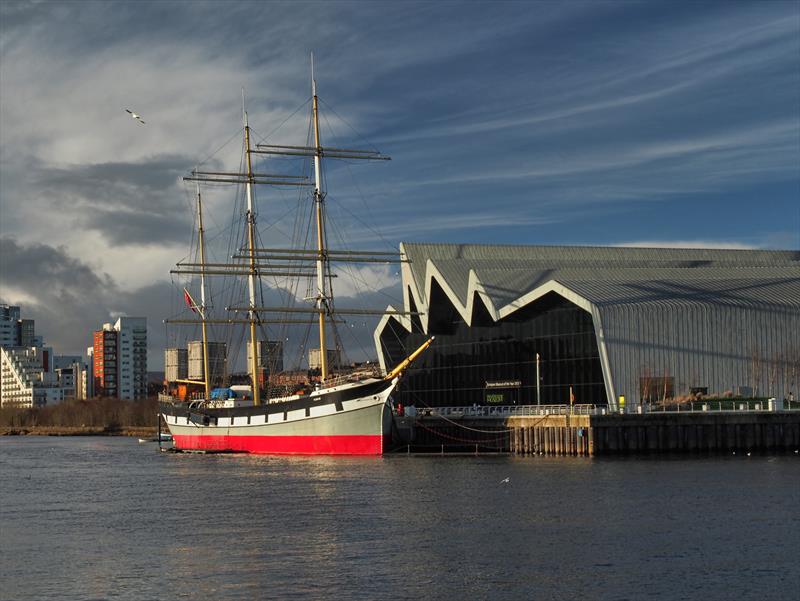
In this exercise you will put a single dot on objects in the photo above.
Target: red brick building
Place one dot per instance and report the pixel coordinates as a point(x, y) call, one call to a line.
point(105, 363)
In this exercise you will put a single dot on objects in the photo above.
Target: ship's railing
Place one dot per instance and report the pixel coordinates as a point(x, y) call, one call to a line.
point(166, 398)
point(355, 376)
point(495, 411)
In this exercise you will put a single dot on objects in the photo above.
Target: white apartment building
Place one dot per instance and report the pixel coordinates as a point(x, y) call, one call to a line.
point(24, 382)
point(132, 357)
point(31, 375)
point(87, 376)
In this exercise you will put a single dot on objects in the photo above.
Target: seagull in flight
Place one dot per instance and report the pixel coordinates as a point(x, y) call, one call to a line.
point(505, 481)
point(135, 116)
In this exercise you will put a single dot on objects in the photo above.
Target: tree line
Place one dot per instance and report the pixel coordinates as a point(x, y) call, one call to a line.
point(107, 413)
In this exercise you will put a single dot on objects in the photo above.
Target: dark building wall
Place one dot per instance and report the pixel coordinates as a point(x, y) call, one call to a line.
point(456, 368)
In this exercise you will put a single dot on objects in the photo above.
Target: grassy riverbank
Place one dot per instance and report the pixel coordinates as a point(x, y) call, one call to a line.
point(93, 417)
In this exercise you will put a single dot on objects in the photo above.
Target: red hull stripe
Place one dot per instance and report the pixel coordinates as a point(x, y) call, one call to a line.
point(284, 445)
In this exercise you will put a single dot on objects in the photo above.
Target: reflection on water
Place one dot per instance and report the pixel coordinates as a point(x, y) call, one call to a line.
point(109, 518)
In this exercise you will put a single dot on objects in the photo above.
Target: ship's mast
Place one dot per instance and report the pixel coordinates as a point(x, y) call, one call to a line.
point(319, 198)
point(253, 269)
point(200, 232)
point(252, 274)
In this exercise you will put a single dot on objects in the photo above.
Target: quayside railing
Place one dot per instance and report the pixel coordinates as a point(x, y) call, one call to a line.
point(495, 411)
point(501, 411)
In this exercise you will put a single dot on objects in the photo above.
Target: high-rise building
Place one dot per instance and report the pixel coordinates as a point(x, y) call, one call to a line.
point(176, 364)
point(25, 333)
point(270, 355)
point(105, 361)
point(132, 357)
point(315, 358)
point(270, 359)
point(120, 359)
point(68, 370)
point(15, 331)
point(217, 362)
point(87, 376)
point(9, 325)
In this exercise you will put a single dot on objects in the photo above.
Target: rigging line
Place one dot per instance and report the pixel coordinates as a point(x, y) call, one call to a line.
point(237, 230)
point(284, 292)
point(228, 141)
point(191, 212)
point(231, 287)
point(356, 276)
point(304, 345)
point(289, 292)
point(396, 333)
point(347, 123)
point(326, 263)
point(355, 183)
point(274, 224)
point(236, 286)
point(351, 270)
point(364, 202)
point(366, 225)
point(188, 197)
point(304, 197)
point(210, 216)
point(282, 123)
point(307, 334)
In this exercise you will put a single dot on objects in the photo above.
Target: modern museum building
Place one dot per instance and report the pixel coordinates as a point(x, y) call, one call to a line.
point(599, 325)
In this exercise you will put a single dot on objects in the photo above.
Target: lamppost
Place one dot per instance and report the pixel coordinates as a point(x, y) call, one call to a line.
point(538, 381)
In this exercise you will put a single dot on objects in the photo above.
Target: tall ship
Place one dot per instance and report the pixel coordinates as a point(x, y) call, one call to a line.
point(336, 411)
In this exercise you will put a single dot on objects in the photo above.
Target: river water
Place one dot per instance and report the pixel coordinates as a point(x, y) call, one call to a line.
point(108, 518)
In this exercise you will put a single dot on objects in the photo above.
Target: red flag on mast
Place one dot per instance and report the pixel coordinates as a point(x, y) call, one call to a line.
point(189, 300)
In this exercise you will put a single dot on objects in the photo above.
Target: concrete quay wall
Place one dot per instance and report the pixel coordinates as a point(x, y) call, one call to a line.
point(590, 435)
point(696, 432)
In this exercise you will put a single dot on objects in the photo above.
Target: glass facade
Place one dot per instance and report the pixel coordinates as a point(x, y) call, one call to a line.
point(494, 363)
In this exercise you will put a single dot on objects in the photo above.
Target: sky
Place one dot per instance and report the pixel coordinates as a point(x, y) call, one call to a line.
point(595, 123)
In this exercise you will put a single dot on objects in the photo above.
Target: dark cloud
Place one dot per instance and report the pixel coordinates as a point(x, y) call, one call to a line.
point(39, 268)
point(127, 203)
point(72, 300)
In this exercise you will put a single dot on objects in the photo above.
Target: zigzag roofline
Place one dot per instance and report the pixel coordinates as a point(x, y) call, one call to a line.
point(475, 288)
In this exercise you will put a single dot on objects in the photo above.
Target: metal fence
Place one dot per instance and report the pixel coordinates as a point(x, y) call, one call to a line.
point(722, 405)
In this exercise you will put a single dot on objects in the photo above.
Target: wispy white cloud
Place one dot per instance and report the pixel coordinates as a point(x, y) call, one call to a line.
point(688, 244)
point(431, 225)
point(777, 140)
